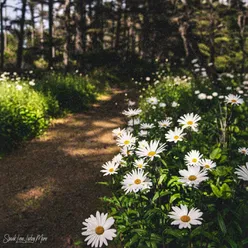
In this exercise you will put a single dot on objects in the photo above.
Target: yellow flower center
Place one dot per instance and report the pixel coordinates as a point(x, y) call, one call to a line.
point(99, 230)
point(192, 178)
point(140, 165)
point(176, 137)
point(233, 100)
point(126, 142)
point(207, 166)
point(137, 181)
point(194, 160)
point(111, 170)
point(190, 123)
point(185, 218)
point(243, 151)
point(151, 153)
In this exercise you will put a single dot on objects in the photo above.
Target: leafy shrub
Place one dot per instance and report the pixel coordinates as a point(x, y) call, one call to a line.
point(73, 92)
point(23, 114)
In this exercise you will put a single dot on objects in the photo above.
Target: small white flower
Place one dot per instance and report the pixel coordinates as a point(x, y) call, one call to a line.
point(152, 100)
point(131, 112)
point(143, 133)
point(18, 87)
point(209, 97)
point(243, 150)
point(98, 229)
point(136, 181)
point(221, 97)
point(202, 96)
point(134, 122)
point(208, 164)
point(214, 94)
point(197, 92)
point(193, 157)
point(228, 88)
point(189, 120)
point(234, 99)
point(242, 172)
point(109, 168)
point(127, 151)
point(117, 159)
point(140, 163)
point(164, 123)
point(184, 217)
point(131, 103)
point(147, 126)
point(193, 176)
point(150, 150)
point(162, 104)
point(175, 136)
point(126, 139)
point(117, 132)
point(148, 79)
point(174, 104)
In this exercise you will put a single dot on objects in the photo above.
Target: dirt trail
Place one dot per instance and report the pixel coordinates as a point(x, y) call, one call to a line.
point(49, 186)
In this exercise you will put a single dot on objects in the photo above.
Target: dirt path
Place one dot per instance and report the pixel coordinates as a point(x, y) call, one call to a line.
point(49, 186)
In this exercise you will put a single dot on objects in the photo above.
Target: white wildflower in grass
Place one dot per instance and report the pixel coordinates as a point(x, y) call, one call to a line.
point(197, 92)
point(18, 87)
point(110, 168)
point(127, 151)
point(175, 135)
point(131, 103)
point(140, 163)
point(243, 150)
point(97, 228)
point(185, 217)
point(134, 122)
point(150, 150)
point(214, 94)
point(143, 133)
point(221, 97)
point(32, 83)
point(132, 112)
point(164, 123)
point(152, 100)
point(162, 104)
point(126, 139)
point(193, 176)
point(228, 88)
point(117, 159)
point(202, 96)
point(193, 157)
point(117, 132)
point(208, 164)
point(148, 79)
point(147, 126)
point(130, 129)
point(234, 99)
point(242, 172)
point(189, 120)
point(136, 181)
point(143, 143)
point(174, 104)
point(209, 97)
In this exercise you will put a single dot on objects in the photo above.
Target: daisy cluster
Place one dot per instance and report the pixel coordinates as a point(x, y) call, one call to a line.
point(155, 152)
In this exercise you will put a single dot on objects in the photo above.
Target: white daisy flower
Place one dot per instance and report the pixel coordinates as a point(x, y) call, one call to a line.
point(18, 87)
point(126, 139)
point(136, 181)
point(117, 159)
point(140, 163)
point(132, 112)
point(117, 132)
point(207, 164)
point(214, 94)
point(143, 133)
point(134, 122)
point(197, 92)
point(243, 150)
point(193, 176)
point(202, 96)
point(189, 120)
point(131, 103)
point(184, 217)
point(174, 104)
point(164, 123)
point(175, 136)
point(234, 99)
point(97, 228)
point(127, 151)
point(150, 150)
point(109, 168)
point(147, 126)
point(193, 157)
point(152, 100)
point(143, 143)
point(242, 172)
point(162, 105)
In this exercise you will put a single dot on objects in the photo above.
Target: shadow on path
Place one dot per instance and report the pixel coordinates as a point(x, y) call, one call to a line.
point(49, 186)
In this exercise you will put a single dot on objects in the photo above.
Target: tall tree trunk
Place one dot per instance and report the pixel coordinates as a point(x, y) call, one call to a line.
point(2, 34)
point(118, 26)
point(21, 36)
point(31, 7)
point(42, 28)
point(80, 19)
point(67, 13)
point(50, 33)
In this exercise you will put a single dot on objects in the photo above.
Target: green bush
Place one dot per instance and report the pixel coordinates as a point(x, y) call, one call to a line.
point(73, 92)
point(23, 114)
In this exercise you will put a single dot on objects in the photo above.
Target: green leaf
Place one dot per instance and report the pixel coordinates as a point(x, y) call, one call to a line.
point(231, 242)
point(216, 153)
point(216, 191)
point(174, 197)
point(221, 223)
point(161, 179)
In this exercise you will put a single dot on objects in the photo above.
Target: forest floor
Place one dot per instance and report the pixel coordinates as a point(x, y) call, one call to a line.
point(48, 187)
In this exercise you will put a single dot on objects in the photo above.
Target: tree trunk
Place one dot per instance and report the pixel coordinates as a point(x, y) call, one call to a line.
point(2, 35)
point(50, 33)
point(21, 36)
point(31, 7)
point(118, 26)
point(67, 13)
